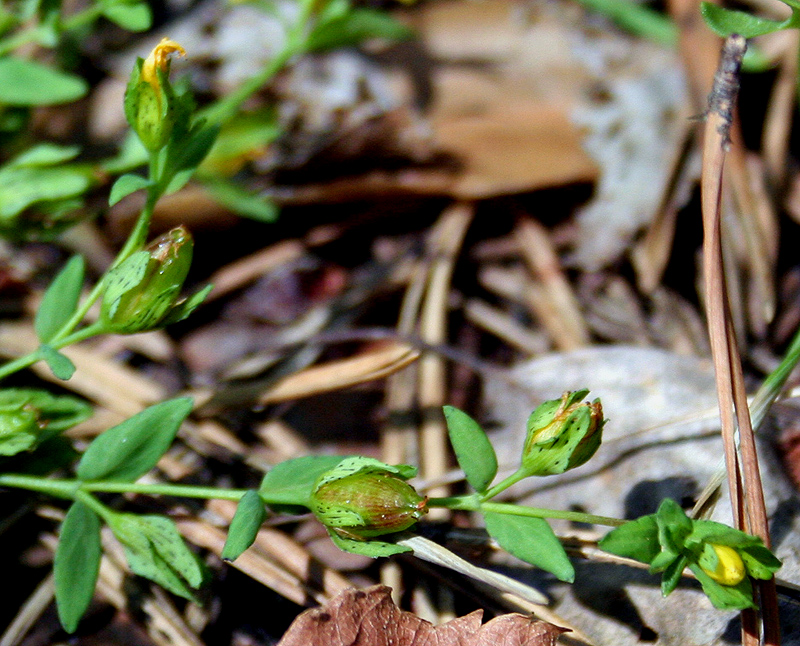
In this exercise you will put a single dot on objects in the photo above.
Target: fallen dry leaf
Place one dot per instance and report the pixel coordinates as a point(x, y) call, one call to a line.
point(369, 618)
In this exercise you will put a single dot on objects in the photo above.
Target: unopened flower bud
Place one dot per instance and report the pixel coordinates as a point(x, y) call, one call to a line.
point(361, 498)
point(723, 564)
point(142, 290)
point(150, 104)
point(562, 434)
point(19, 429)
point(29, 416)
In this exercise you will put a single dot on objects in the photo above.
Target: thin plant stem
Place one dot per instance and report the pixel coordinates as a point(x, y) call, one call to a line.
point(513, 479)
point(67, 334)
point(69, 488)
point(540, 512)
point(222, 110)
point(29, 359)
point(473, 503)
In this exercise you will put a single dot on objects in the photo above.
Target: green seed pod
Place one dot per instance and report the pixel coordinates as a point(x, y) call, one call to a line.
point(562, 434)
point(142, 291)
point(150, 103)
point(361, 498)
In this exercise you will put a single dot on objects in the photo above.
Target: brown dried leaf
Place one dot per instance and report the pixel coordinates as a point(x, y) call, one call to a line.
point(369, 618)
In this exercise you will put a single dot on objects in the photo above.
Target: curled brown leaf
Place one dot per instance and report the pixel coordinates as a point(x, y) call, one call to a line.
point(370, 618)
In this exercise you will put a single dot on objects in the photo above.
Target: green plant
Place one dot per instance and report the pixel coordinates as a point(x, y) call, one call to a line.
point(366, 505)
point(732, 21)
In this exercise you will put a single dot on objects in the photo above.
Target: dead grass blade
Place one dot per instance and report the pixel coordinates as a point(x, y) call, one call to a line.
point(744, 480)
point(335, 375)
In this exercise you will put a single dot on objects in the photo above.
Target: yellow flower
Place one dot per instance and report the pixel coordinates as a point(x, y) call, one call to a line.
point(159, 60)
point(730, 569)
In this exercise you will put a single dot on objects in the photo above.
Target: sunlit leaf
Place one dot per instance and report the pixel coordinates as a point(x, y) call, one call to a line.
point(25, 82)
point(130, 449)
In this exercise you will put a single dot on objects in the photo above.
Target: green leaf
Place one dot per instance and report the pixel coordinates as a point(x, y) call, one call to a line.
point(674, 526)
point(125, 185)
point(239, 138)
point(29, 417)
point(45, 155)
point(59, 364)
point(760, 562)
point(356, 26)
point(60, 300)
point(472, 447)
point(184, 155)
point(374, 549)
point(730, 21)
point(184, 308)
point(131, 16)
point(127, 451)
point(672, 575)
point(636, 540)
point(287, 487)
point(155, 550)
point(250, 514)
point(132, 154)
point(241, 201)
point(76, 564)
point(22, 187)
point(27, 83)
point(531, 540)
point(725, 597)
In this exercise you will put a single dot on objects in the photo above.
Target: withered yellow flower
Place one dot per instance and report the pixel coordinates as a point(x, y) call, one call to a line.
point(159, 59)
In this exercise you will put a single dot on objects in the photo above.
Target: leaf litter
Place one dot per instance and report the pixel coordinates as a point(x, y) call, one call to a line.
point(513, 110)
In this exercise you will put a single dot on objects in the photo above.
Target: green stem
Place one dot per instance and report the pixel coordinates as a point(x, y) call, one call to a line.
point(513, 479)
point(134, 242)
point(538, 512)
point(774, 383)
point(464, 503)
point(71, 488)
point(32, 357)
point(20, 363)
point(225, 108)
point(95, 505)
point(56, 488)
point(474, 503)
point(67, 334)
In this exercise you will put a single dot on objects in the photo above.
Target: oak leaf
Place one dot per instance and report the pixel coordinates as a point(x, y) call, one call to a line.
point(370, 618)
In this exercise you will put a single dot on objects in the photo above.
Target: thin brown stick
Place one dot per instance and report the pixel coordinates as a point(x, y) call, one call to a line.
point(747, 497)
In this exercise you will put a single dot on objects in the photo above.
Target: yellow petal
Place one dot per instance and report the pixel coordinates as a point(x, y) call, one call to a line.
point(158, 60)
point(730, 569)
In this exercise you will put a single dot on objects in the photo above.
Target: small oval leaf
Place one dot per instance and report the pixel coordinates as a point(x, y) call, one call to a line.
point(131, 16)
point(127, 451)
point(59, 364)
point(77, 563)
point(60, 300)
point(250, 513)
point(26, 83)
point(472, 447)
point(531, 540)
point(125, 185)
point(730, 21)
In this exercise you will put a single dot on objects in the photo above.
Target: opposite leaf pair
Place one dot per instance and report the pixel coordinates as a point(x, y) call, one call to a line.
point(722, 558)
